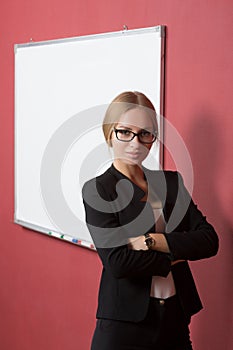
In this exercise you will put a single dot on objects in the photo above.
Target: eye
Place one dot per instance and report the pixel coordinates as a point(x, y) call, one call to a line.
point(124, 132)
point(145, 133)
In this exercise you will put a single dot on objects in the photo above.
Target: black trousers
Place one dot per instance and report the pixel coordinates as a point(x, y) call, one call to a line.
point(164, 328)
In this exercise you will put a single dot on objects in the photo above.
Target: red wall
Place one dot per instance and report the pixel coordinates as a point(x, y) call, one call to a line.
point(49, 288)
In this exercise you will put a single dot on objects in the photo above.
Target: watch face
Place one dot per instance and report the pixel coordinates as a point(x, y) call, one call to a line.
point(149, 242)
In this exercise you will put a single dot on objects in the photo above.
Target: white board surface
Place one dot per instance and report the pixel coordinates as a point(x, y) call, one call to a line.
point(62, 89)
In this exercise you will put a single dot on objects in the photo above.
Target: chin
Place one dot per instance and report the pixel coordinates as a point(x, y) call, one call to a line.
point(132, 162)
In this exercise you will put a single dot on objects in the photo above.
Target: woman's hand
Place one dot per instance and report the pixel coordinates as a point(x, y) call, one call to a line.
point(138, 243)
point(176, 262)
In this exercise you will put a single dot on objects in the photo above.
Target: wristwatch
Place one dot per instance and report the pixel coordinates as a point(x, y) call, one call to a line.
point(149, 241)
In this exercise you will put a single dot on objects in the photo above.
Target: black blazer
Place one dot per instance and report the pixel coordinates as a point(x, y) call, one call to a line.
point(115, 212)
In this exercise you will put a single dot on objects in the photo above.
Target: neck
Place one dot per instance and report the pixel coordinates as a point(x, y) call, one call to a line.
point(133, 171)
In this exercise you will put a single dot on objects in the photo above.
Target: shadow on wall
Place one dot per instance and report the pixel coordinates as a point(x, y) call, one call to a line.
point(207, 147)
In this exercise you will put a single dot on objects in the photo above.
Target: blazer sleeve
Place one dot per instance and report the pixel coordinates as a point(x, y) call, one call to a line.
point(110, 240)
point(194, 238)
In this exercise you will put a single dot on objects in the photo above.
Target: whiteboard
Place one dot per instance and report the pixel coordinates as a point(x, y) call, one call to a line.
point(62, 90)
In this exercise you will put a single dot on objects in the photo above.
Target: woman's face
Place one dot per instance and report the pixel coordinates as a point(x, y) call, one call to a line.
point(134, 151)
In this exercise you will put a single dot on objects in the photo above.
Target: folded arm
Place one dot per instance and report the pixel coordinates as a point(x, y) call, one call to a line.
point(111, 241)
point(193, 238)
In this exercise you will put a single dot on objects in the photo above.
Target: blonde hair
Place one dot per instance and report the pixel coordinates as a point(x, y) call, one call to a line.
point(122, 103)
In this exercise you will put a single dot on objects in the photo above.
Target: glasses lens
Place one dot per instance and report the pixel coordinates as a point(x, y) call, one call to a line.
point(124, 135)
point(146, 137)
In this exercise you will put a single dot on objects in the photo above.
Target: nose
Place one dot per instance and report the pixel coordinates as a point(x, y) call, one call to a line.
point(135, 143)
point(135, 140)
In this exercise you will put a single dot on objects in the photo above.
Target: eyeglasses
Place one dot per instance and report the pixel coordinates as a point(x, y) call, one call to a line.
point(144, 136)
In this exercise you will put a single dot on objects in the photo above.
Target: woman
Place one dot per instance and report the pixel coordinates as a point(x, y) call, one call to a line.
point(145, 227)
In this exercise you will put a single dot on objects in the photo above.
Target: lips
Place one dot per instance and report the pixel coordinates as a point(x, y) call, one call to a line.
point(133, 154)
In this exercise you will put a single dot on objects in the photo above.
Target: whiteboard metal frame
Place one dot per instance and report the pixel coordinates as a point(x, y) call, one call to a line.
point(160, 29)
point(157, 29)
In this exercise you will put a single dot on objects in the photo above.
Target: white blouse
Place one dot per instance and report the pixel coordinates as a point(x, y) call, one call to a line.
point(161, 287)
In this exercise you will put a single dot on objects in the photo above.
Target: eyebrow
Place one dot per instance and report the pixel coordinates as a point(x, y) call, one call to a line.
point(127, 128)
point(123, 126)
